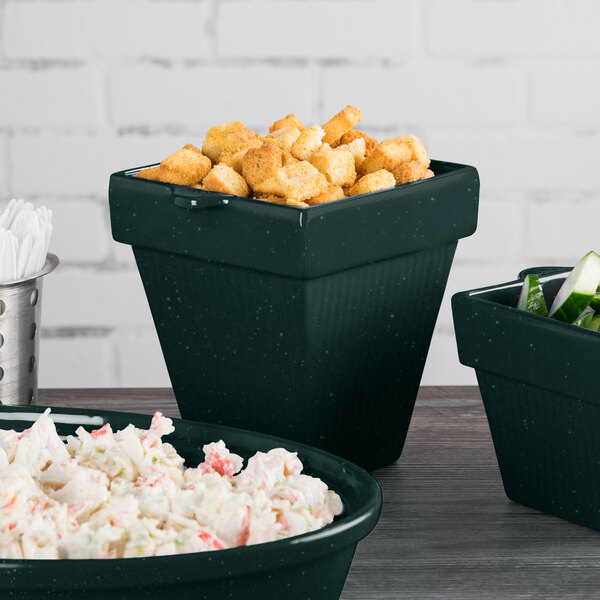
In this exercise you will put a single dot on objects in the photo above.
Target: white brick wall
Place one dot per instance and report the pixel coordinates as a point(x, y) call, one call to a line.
point(73, 31)
point(315, 29)
point(206, 95)
point(49, 98)
point(576, 102)
point(421, 94)
point(472, 29)
point(79, 164)
point(76, 361)
point(91, 87)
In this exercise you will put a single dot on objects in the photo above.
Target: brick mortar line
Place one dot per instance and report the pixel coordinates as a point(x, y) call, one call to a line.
point(548, 62)
point(57, 332)
point(392, 62)
point(9, 165)
point(210, 27)
point(115, 365)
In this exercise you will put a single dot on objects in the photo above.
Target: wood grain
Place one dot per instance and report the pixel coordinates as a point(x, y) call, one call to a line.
point(447, 529)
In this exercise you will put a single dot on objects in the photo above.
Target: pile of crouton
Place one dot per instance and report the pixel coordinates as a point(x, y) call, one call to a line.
point(293, 164)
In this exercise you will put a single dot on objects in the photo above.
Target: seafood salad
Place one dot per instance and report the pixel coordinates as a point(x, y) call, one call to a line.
point(106, 494)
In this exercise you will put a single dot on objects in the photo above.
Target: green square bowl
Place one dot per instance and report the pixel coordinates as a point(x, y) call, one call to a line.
point(539, 380)
point(309, 323)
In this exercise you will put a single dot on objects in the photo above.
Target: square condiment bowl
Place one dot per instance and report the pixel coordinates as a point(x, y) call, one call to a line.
point(539, 380)
point(309, 323)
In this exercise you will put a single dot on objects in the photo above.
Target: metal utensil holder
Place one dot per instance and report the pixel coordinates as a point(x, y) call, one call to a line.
point(20, 316)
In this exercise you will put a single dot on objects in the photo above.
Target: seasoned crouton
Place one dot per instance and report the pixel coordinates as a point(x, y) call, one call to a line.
point(379, 180)
point(287, 121)
point(298, 180)
point(234, 158)
point(236, 140)
point(270, 198)
point(187, 166)
point(353, 134)
point(262, 162)
point(294, 202)
point(411, 171)
point(151, 173)
point(224, 179)
point(216, 136)
point(337, 164)
point(333, 192)
point(387, 155)
point(417, 149)
point(358, 149)
point(285, 137)
point(337, 126)
point(308, 141)
point(287, 158)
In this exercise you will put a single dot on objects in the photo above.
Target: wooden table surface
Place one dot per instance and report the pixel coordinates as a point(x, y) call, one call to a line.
point(447, 529)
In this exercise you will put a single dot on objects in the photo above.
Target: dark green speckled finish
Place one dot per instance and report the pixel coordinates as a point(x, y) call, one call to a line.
point(311, 566)
point(309, 323)
point(539, 380)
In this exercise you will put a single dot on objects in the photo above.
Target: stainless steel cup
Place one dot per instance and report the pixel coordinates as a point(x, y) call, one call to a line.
point(20, 316)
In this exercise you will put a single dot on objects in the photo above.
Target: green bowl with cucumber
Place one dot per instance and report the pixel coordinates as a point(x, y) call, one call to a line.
point(535, 347)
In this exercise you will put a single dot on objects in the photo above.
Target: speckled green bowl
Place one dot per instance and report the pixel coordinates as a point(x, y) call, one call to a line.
point(539, 380)
point(309, 323)
point(310, 566)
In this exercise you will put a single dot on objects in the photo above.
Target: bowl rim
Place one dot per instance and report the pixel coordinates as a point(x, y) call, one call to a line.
point(220, 198)
point(494, 336)
point(347, 530)
point(550, 273)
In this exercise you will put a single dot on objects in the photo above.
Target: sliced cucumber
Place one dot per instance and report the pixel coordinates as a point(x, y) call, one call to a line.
point(585, 320)
point(532, 296)
point(595, 303)
point(595, 323)
point(578, 290)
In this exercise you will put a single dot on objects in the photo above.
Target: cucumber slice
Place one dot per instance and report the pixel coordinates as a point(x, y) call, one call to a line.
point(595, 303)
point(595, 323)
point(578, 290)
point(585, 320)
point(532, 296)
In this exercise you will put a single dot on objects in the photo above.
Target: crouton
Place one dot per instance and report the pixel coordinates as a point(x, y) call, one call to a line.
point(287, 121)
point(151, 173)
point(234, 158)
point(417, 149)
point(294, 202)
point(262, 162)
point(410, 171)
point(236, 140)
point(187, 166)
point(287, 158)
point(216, 136)
point(358, 149)
point(269, 198)
point(337, 126)
point(224, 179)
point(379, 180)
point(307, 142)
point(387, 155)
point(353, 134)
point(332, 192)
point(285, 137)
point(298, 180)
point(337, 164)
